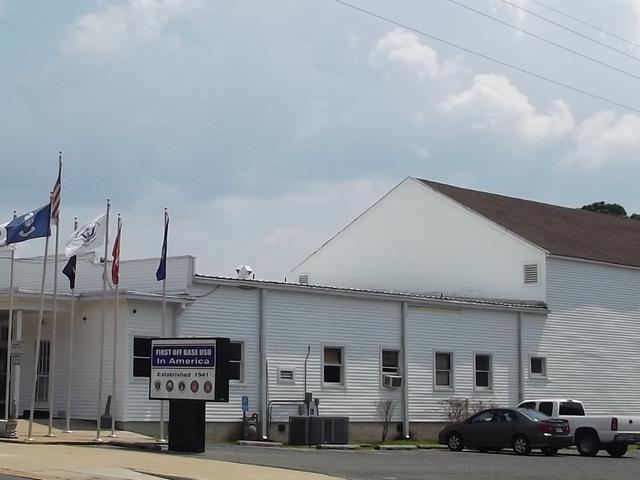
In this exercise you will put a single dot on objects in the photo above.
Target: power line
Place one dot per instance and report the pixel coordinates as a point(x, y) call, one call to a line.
point(546, 40)
point(575, 32)
point(491, 59)
point(590, 25)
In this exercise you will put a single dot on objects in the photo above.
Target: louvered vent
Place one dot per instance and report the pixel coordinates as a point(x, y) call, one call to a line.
point(531, 273)
point(286, 375)
point(304, 279)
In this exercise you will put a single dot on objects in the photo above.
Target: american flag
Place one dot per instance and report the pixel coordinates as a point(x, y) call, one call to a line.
point(56, 193)
point(115, 268)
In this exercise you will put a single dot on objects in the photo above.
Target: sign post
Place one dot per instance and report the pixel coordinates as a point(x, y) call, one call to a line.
point(189, 372)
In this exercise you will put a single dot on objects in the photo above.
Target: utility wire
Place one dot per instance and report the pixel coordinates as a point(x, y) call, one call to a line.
point(590, 25)
point(575, 32)
point(491, 59)
point(543, 39)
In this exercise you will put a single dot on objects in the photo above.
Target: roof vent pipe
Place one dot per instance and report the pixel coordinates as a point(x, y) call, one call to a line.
point(245, 272)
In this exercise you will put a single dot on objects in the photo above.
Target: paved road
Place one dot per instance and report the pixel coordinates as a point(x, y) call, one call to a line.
point(9, 477)
point(433, 464)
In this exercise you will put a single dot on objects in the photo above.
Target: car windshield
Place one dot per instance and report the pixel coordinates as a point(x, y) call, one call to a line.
point(534, 414)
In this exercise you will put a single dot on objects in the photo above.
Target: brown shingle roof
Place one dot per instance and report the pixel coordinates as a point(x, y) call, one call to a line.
point(568, 232)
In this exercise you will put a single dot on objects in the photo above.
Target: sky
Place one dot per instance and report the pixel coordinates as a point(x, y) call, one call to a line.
point(266, 126)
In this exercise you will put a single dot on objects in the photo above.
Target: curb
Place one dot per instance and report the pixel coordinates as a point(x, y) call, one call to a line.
point(427, 446)
point(80, 443)
point(330, 446)
point(396, 447)
point(257, 443)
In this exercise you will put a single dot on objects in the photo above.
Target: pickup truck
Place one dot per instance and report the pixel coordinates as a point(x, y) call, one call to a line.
point(591, 433)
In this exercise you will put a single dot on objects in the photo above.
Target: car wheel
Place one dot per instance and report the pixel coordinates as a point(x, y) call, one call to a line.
point(454, 442)
point(549, 452)
point(521, 445)
point(617, 449)
point(588, 444)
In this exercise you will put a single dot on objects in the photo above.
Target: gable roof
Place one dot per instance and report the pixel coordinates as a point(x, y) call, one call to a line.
point(567, 232)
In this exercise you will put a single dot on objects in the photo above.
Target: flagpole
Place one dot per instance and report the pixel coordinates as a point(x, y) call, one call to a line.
point(38, 338)
point(164, 328)
point(115, 342)
point(9, 334)
point(54, 321)
point(104, 315)
point(70, 360)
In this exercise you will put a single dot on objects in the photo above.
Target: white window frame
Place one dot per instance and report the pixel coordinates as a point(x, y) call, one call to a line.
point(445, 388)
point(286, 381)
point(537, 264)
point(475, 369)
point(544, 373)
point(395, 349)
point(242, 362)
point(343, 371)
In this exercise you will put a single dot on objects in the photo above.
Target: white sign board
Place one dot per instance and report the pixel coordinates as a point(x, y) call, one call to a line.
point(183, 369)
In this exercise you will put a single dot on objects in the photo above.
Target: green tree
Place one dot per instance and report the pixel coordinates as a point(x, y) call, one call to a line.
point(608, 208)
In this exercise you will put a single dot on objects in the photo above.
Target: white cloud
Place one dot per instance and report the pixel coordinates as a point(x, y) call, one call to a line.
point(635, 8)
point(518, 14)
point(404, 48)
point(494, 103)
point(604, 138)
point(117, 27)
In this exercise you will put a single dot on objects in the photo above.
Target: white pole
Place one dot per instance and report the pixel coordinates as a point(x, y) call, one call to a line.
point(15, 377)
point(36, 358)
point(7, 397)
point(115, 345)
point(52, 365)
point(70, 359)
point(164, 319)
point(104, 315)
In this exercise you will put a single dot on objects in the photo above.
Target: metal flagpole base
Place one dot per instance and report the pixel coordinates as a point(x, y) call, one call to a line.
point(161, 440)
point(98, 439)
point(50, 435)
point(113, 435)
point(67, 431)
point(29, 439)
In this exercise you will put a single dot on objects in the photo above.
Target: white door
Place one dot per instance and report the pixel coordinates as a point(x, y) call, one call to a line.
point(42, 380)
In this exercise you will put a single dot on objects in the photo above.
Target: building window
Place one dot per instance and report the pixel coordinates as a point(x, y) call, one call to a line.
point(141, 357)
point(390, 362)
point(333, 366)
point(443, 370)
point(236, 361)
point(538, 367)
point(483, 371)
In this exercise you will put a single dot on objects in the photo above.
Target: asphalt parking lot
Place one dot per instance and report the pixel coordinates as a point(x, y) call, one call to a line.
point(436, 464)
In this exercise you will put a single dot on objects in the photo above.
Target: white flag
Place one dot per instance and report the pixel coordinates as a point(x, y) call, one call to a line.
point(87, 238)
point(3, 235)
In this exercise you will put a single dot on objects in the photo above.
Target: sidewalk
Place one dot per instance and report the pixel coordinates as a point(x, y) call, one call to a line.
point(58, 462)
point(83, 433)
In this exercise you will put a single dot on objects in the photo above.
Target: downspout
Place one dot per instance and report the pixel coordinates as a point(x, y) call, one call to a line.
point(262, 364)
point(405, 371)
point(520, 372)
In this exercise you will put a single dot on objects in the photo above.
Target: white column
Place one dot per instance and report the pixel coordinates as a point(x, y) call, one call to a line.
point(15, 376)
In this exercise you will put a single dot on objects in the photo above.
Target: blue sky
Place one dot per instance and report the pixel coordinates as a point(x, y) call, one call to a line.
point(266, 126)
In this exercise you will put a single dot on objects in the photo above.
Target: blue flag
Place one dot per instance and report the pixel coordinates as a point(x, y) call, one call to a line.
point(70, 272)
point(34, 224)
point(161, 273)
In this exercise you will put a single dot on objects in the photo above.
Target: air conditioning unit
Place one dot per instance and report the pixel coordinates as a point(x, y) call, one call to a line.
point(392, 381)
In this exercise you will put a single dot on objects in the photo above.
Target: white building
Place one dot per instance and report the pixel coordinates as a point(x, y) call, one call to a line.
point(494, 314)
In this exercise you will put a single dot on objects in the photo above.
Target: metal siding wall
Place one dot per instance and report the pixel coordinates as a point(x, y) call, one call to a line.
point(590, 338)
point(463, 332)
point(137, 275)
point(362, 327)
point(227, 312)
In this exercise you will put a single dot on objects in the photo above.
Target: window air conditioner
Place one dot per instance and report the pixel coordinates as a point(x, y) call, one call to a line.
point(392, 381)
